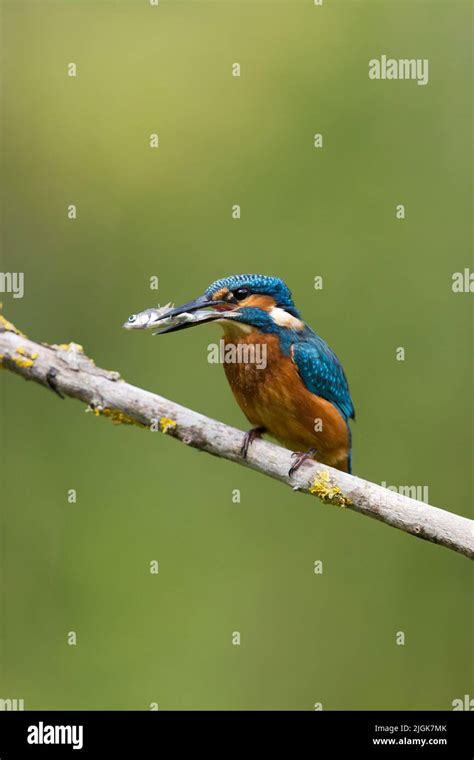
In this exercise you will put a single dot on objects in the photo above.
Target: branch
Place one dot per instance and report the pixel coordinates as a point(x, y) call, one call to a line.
point(68, 371)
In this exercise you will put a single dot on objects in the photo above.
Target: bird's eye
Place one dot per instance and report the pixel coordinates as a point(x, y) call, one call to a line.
point(132, 318)
point(241, 293)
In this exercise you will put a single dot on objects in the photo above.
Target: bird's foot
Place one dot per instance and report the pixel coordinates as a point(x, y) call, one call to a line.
point(249, 438)
point(300, 457)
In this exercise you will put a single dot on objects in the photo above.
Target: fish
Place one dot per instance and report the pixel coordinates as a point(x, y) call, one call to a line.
point(156, 317)
point(146, 319)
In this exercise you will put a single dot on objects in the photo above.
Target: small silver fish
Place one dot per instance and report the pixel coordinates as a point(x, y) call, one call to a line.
point(150, 318)
point(146, 319)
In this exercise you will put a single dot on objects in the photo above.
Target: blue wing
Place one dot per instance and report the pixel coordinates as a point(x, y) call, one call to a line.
point(322, 373)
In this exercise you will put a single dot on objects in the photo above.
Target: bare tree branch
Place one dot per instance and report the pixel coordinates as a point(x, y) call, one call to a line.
point(69, 372)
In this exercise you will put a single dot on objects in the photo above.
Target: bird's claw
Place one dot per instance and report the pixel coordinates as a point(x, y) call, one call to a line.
point(249, 438)
point(300, 457)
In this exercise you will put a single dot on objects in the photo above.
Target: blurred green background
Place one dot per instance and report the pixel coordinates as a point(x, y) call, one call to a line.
point(227, 567)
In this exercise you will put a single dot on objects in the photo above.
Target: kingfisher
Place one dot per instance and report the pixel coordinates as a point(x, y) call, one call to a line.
point(300, 394)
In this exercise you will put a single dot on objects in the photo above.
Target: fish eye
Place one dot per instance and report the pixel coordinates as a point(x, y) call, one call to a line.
point(132, 318)
point(241, 293)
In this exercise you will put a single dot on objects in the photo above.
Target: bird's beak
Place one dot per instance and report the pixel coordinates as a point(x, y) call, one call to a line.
point(199, 303)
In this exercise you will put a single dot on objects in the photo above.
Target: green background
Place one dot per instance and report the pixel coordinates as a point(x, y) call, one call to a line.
point(227, 567)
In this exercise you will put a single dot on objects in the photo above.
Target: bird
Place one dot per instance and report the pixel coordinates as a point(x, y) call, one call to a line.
point(301, 395)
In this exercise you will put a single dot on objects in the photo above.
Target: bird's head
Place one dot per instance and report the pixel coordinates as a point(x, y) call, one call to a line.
point(247, 299)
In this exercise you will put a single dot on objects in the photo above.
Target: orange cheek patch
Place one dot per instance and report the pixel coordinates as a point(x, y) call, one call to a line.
point(266, 303)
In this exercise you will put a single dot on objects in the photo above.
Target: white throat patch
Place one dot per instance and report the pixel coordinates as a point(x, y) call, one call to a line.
point(283, 319)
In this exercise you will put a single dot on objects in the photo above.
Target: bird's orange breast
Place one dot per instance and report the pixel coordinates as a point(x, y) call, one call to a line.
point(272, 395)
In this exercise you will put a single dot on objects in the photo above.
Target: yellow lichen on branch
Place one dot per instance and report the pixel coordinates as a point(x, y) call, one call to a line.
point(24, 360)
point(115, 415)
point(327, 491)
point(27, 359)
point(75, 347)
point(9, 326)
point(167, 425)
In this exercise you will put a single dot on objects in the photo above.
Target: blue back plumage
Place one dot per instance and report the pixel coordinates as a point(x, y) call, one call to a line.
point(322, 372)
